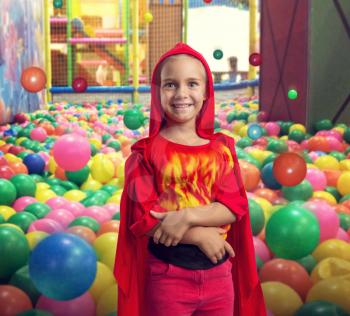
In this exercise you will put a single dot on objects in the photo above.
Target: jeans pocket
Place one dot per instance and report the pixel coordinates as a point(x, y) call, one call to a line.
point(158, 268)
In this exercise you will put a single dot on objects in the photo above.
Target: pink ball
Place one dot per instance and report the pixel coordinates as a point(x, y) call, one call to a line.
point(317, 179)
point(326, 216)
point(57, 202)
point(334, 144)
point(38, 134)
point(72, 152)
point(112, 208)
point(342, 235)
point(75, 208)
point(272, 128)
point(22, 202)
point(46, 225)
point(61, 216)
point(98, 213)
point(261, 249)
point(82, 305)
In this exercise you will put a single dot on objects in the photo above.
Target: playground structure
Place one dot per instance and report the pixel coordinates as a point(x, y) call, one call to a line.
point(117, 42)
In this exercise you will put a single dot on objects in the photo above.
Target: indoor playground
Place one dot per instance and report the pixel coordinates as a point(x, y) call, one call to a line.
point(75, 96)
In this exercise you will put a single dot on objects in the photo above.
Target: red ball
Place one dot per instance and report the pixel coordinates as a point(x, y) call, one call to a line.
point(20, 118)
point(79, 84)
point(33, 79)
point(255, 59)
point(289, 169)
point(6, 172)
point(207, 1)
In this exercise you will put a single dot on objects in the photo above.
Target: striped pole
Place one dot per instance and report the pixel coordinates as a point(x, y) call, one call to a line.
point(69, 46)
point(252, 41)
point(135, 49)
point(48, 69)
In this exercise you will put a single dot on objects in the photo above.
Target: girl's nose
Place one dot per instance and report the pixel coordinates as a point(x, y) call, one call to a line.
point(181, 91)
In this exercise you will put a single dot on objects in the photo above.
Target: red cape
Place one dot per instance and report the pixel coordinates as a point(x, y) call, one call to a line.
point(135, 219)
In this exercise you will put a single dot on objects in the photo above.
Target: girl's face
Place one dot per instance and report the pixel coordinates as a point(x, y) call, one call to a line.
point(182, 89)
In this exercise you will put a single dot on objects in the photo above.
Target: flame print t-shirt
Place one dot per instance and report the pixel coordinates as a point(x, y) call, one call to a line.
point(187, 176)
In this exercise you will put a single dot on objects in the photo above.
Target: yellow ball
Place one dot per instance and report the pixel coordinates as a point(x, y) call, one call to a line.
point(52, 165)
point(237, 126)
point(266, 207)
point(323, 195)
point(107, 302)
point(44, 195)
point(74, 195)
point(298, 127)
point(35, 237)
point(105, 243)
point(114, 199)
point(284, 137)
point(20, 140)
point(12, 158)
point(42, 186)
point(104, 279)
point(148, 17)
point(343, 183)
point(96, 143)
point(6, 211)
point(334, 290)
point(102, 169)
point(339, 129)
point(258, 154)
point(2, 142)
point(327, 162)
point(281, 299)
point(332, 248)
point(345, 165)
point(330, 268)
point(108, 259)
point(243, 132)
point(91, 184)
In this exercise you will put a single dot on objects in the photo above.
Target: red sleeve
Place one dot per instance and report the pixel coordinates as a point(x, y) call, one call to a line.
point(229, 189)
point(141, 193)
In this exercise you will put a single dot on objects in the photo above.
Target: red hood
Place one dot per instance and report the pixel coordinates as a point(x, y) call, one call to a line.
point(205, 119)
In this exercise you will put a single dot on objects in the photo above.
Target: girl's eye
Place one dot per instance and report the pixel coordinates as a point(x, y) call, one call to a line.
point(193, 84)
point(169, 85)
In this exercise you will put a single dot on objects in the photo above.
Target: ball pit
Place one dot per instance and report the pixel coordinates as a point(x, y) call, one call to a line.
point(79, 192)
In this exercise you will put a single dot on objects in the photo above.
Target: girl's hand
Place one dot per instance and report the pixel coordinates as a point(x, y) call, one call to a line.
point(172, 228)
point(210, 241)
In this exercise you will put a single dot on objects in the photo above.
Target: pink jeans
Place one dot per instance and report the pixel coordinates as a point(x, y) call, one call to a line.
point(176, 291)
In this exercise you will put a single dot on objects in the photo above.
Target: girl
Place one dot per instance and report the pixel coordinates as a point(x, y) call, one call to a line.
point(185, 243)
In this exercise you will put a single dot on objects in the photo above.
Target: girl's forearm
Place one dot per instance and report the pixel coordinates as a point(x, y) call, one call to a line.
point(214, 214)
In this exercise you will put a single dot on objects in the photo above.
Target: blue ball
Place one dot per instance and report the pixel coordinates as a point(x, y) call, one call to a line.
point(254, 131)
point(35, 163)
point(63, 266)
point(268, 178)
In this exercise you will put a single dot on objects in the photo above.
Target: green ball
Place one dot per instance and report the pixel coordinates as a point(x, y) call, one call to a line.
point(109, 188)
point(53, 181)
point(35, 312)
point(344, 221)
point(79, 176)
point(296, 135)
point(116, 216)
point(22, 154)
point(244, 142)
point(325, 124)
point(285, 126)
point(269, 158)
point(21, 279)
point(345, 198)
point(38, 209)
point(22, 220)
point(37, 178)
point(292, 94)
point(8, 192)
point(301, 191)
point(94, 150)
point(114, 144)
point(24, 184)
point(106, 137)
point(292, 232)
point(133, 119)
point(308, 262)
point(257, 219)
point(334, 192)
point(58, 189)
point(87, 222)
point(320, 308)
point(259, 262)
point(337, 155)
point(14, 251)
point(346, 135)
point(218, 54)
point(277, 146)
point(68, 185)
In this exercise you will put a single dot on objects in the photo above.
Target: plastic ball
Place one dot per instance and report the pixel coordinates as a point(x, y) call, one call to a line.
point(58, 4)
point(79, 176)
point(82, 305)
point(292, 94)
point(148, 17)
point(35, 237)
point(59, 259)
point(107, 303)
point(38, 134)
point(218, 54)
point(332, 248)
point(34, 163)
point(24, 184)
point(257, 219)
point(104, 279)
point(46, 225)
point(79, 84)
point(289, 169)
point(320, 308)
point(13, 300)
point(255, 59)
point(343, 183)
point(83, 232)
point(8, 192)
point(6, 172)
point(316, 178)
point(133, 119)
point(250, 175)
point(292, 232)
point(71, 152)
point(281, 299)
point(14, 251)
point(33, 79)
point(254, 131)
point(268, 177)
point(87, 222)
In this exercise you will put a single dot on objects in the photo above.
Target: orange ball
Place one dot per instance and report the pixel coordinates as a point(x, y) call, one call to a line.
point(60, 173)
point(33, 79)
point(18, 167)
point(288, 272)
point(267, 194)
point(340, 208)
point(84, 232)
point(13, 300)
point(289, 169)
point(332, 176)
point(109, 227)
point(250, 175)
